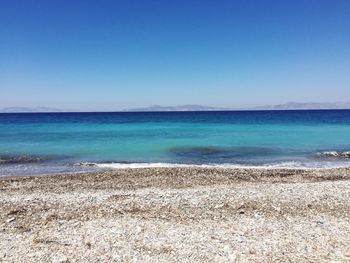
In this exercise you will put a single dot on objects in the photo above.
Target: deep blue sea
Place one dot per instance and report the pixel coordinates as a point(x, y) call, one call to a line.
point(41, 143)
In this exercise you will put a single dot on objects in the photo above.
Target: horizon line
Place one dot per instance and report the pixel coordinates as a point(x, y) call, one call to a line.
point(169, 111)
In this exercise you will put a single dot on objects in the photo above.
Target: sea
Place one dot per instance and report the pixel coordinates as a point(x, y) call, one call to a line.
point(51, 143)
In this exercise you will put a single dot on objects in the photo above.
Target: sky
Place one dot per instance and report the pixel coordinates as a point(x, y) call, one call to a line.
point(111, 55)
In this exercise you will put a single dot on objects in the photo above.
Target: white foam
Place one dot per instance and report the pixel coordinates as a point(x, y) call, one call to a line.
point(142, 165)
point(334, 154)
point(138, 165)
point(284, 165)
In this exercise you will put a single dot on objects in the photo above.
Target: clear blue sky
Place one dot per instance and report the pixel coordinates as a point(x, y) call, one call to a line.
point(108, 55)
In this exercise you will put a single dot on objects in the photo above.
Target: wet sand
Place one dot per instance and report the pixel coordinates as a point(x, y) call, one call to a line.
point(177, 215)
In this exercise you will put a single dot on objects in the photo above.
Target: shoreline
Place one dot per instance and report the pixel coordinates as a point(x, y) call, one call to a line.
point(111, 166)
point(177, 215)
point(194, 167)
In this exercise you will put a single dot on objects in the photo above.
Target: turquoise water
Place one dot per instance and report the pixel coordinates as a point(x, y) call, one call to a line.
point(61, 142)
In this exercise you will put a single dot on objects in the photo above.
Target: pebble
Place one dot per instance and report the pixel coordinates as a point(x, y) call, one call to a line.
point(167, 218)
point(11, 219)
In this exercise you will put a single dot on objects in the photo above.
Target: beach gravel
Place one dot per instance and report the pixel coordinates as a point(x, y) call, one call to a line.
point(177, 215)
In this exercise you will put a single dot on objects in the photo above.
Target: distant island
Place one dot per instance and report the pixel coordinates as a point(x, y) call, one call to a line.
point(307, 106)
point(178, 108)
point(193, 107)
point(286, 106)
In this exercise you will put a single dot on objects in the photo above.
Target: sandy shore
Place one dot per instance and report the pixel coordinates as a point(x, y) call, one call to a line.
point(177, 215)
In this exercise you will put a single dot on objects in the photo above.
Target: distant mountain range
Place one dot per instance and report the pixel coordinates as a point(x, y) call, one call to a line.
point(177, 108)
point(307, 106)
point(286, 106)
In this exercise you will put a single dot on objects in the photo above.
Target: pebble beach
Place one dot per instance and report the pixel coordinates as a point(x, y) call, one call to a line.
point(177, 215)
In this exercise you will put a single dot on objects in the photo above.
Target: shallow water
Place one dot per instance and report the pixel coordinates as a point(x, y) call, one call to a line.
point(35, 143)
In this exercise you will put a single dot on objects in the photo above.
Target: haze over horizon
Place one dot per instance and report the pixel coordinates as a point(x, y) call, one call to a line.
point(194, 107)
point(113, 55)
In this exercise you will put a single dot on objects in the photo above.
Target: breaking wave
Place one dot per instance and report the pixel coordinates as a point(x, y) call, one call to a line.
point(283, 164)
point(21, 159)
point(334, 154)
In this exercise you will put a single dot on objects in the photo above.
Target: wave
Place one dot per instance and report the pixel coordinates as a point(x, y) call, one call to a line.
point(282, 165)
point(334, 154)
point(124, 165)
point(21, 159)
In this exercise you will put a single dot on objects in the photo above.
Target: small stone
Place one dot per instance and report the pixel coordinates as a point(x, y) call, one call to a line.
point(11, 219)
point(61, 259)
point(252, 251)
